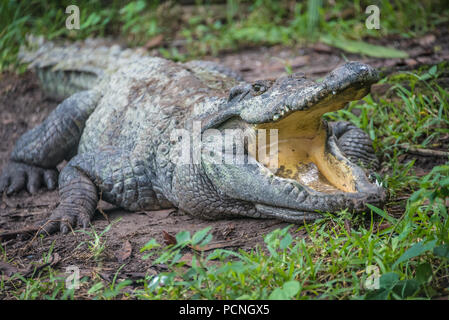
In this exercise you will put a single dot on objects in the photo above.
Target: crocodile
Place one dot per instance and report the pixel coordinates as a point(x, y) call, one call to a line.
point(119, 122)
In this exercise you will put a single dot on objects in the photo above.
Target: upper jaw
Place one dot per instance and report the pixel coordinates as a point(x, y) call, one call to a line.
point(346, 83)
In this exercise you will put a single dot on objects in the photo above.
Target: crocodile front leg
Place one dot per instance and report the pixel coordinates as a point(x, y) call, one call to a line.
point(355, 144)
point(39, 150)
point(109, 174)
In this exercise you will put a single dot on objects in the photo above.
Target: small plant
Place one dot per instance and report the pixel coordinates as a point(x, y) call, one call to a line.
point(222, 274)
point(99, 291)
point(96, 244)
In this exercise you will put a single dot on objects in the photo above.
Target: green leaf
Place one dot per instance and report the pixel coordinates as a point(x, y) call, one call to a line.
point(278, 294)
point(406, 288)
point(150, 245)
point(96, 287)
point(361, 47)
point(423, 273)
point(182, 237)
point(198, 236)
point(415, 250)
point(388, 280)
point(380, 294)
point(432, 71)
point(206, 240)
point(382, 213)
point(291, 288)
point(286, 241)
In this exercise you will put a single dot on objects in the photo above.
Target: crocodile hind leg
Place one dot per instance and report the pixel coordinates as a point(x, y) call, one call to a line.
point(355, 144)
point(110, 174)
point(38, 151)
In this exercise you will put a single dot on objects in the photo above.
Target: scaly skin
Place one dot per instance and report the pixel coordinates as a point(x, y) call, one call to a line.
point(118, 139)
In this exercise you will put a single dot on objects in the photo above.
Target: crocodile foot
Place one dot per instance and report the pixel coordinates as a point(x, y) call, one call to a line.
point(78, 201)
point(65, 218)
point(17, 176)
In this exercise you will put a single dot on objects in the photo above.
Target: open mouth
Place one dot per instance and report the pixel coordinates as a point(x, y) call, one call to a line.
point(303, 153)
point(311, 172)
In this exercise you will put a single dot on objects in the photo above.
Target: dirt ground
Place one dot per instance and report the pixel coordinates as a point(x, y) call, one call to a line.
point(23, 105)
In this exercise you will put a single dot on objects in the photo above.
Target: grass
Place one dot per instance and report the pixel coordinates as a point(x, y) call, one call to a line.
point(96, 244)
point(211, 29)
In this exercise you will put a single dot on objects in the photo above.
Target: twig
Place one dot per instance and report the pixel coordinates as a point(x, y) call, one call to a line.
point(101, 209)
point(216, 245)
point(424, 152)
point(14, 233)
point(36, 234)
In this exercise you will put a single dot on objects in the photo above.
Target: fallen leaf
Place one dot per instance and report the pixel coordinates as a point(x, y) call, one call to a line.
point(411, 62)
point(106, 276)
point(168, 238)
point(420, 51)
point(7, 269)
point(427, 40)
point(125, 251)
point(187, 259)
point(381, 227)
point(348, 225)
point(424, 60)
point(154, 42)
point(228, 230)
point(299, 61)
point(55, 259)
point(321, 47)
point(421, 172)
point(167, 212)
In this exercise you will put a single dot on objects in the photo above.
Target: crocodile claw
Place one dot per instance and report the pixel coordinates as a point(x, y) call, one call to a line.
point(17, 176)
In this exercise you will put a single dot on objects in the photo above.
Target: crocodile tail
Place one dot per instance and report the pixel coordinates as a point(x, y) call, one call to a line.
point(64, 69)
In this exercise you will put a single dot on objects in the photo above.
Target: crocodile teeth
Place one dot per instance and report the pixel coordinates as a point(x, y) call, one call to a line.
point(276, 117)
point(286, 108)
point(282, 113)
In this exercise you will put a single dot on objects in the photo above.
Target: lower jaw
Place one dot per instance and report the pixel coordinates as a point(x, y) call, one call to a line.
point(287, 215)
point(353, 202)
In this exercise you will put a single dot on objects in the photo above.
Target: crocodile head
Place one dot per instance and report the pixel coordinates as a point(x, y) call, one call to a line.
point(310, 171)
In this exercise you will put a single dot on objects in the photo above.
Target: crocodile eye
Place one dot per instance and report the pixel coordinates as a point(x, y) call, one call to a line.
point(259, 88)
